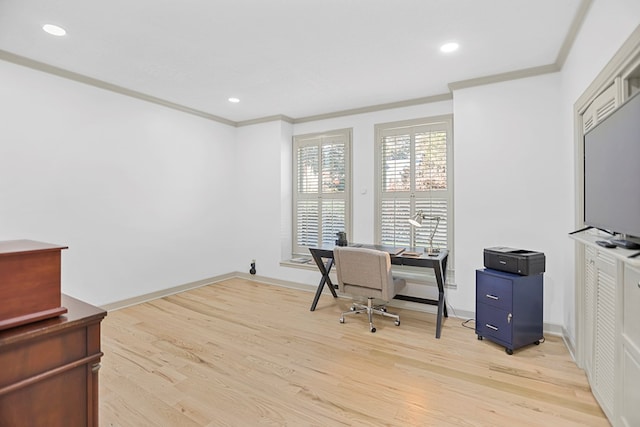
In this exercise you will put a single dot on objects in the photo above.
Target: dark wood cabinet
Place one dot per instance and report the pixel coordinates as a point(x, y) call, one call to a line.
point(49, 369)
point(29, 282)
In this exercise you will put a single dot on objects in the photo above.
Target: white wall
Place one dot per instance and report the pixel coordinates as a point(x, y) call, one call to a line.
point(138, 192)
point(263, 213)
point(607, 26)
point(266, 150)
point(506, 184)
point(510, 175)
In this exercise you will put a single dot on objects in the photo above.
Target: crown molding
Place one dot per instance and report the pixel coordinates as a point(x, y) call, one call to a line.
point(563, 53)
point(503, 77)
point(463, 84)
point(379, 107)
point(80, 78)
point(578, 20)
point(277, 117)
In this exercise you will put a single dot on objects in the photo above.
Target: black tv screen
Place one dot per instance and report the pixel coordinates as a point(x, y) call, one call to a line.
point(612, 172)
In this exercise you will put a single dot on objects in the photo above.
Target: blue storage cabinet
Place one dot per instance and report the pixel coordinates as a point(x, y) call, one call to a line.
point(509, 308)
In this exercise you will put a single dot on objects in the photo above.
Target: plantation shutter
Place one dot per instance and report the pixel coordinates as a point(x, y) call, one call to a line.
point(322, 189)
point(413, 163)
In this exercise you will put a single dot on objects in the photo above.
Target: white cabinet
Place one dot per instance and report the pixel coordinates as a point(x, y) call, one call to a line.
point(629, 409)
point(600, 325)
point(608, 328)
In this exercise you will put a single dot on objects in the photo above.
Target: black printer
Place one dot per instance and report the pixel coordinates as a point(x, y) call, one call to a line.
point(517, 261)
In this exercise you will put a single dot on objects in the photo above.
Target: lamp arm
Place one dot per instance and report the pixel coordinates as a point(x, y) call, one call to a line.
point(433, 233)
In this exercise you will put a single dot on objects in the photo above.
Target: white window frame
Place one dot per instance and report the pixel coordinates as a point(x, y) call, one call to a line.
point(413, 197)
point(319, 139)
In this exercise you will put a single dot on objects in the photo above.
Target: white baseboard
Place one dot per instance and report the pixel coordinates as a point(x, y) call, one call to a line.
point(568, 343)
point(165, 292)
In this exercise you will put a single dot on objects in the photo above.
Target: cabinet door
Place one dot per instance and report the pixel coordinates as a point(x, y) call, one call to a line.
point(604, 349)
point(630, 394)
point(494, 290)
point(494, 322)
point(631, 309)
point(629, 411)
point(57, 401)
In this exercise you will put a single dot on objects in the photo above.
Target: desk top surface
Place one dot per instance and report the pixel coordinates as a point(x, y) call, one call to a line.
point(399, 254)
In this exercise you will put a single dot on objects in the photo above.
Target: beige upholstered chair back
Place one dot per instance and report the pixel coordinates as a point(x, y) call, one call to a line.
point(365, 272)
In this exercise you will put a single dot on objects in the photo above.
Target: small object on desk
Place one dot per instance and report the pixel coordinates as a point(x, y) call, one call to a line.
point(342, 239)
point(395, 251)
point(605, 244)
point(414, 254)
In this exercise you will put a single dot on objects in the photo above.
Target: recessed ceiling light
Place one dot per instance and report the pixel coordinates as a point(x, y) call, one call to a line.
point(449, 47)
point(54, 30)
point(234, 100)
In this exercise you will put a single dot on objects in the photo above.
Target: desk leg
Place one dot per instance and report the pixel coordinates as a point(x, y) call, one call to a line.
point(325, 270)
point(441, 269)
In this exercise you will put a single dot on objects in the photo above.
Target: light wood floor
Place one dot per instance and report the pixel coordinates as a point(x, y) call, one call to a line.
point(241, 353)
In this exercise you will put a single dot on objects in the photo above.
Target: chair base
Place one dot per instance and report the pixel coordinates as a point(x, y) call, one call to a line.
point(370, 309)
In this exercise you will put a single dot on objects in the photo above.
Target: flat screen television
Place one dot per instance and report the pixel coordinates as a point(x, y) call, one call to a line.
point(612, 174)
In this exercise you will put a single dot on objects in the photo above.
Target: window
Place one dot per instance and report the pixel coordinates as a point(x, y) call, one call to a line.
point(414, 172)
point(322, 188)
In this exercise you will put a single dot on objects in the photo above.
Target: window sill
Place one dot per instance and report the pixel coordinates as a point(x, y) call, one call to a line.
point(301, 263)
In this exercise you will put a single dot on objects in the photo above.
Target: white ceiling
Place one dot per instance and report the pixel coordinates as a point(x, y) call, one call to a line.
point(297, 58)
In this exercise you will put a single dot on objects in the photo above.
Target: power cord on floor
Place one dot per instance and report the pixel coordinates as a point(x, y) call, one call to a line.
point(464, 324)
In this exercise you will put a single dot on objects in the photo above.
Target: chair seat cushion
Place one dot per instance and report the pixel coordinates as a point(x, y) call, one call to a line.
point(398, 284)
point(364, 291)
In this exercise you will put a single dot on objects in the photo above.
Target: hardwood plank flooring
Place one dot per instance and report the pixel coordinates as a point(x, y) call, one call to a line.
point(243, 353)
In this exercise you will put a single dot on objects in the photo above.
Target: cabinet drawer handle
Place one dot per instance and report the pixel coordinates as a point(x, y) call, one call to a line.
point(492, 297)
point(491, 327)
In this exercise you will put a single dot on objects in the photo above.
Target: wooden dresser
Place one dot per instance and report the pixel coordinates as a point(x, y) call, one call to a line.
point(49, 369)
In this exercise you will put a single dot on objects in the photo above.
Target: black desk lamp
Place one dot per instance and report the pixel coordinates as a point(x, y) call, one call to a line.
point(416, 220)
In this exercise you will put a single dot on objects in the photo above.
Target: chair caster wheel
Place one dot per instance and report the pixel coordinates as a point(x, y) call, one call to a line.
point(352, 308)
point(342, 320)
point(509, 351)
point(480, 338)
point(397, 322)
point(373, 330)
point(537, 342)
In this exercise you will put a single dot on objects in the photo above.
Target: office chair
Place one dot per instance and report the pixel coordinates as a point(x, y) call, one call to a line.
point(366, 273)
